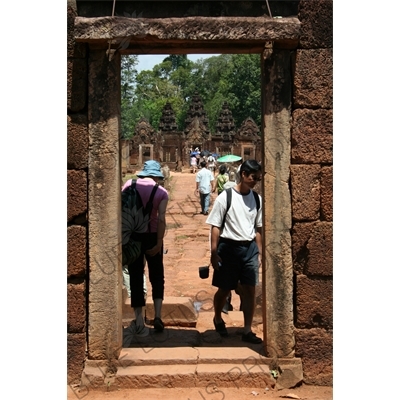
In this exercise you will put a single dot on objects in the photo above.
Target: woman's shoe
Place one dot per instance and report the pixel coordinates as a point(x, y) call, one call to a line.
point(158, 324)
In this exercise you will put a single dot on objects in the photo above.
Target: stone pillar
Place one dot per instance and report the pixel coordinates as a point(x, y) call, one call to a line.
point(104, 197)
point(277, 269)
point(124, 155)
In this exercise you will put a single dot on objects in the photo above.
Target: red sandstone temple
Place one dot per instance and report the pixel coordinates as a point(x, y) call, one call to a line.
point(172, 147)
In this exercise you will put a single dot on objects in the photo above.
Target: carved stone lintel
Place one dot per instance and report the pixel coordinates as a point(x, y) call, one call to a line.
point(197, 29)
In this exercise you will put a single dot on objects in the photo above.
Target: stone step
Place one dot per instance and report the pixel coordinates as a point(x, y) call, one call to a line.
point(194, 367)
point(176, 311)
point(183, 356)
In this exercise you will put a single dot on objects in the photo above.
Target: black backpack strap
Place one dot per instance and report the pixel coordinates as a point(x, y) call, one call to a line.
point(153, 192)
point(150, 202)
point(258, 205)
point(228, 204)
point(257, 199)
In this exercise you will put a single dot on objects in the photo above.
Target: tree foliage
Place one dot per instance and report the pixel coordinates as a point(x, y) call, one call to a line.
point(234, 78)
point(128, 100)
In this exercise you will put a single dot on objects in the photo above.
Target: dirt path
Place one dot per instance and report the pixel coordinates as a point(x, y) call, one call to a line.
point(187, 242)
point(303, 392)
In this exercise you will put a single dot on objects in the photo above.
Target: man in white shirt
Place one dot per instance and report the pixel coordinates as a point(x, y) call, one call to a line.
point(236, 247)
point(204, 187)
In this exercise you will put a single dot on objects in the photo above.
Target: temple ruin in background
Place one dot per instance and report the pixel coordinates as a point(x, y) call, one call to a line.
point(172, 147)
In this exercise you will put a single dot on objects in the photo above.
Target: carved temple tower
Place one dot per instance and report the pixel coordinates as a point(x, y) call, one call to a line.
point(171, 139)
point(247, 141)
point(197, 132)
point(144, 144)
point(225, 131)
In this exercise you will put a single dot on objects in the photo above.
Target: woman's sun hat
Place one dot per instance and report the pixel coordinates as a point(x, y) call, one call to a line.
point(151, 168)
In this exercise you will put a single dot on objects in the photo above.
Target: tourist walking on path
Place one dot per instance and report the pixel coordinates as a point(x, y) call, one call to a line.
point(231, 182)
point(193, 164)
point(151, 249)
point(204, 187)
point(221, 179)
point(211, 163)
point(236, 247)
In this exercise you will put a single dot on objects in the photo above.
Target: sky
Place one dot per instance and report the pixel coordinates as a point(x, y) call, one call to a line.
point(148, 61)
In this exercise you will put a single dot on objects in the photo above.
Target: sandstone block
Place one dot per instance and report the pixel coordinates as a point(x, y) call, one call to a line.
point(76, 251)
point(314, 303)
point(313, 79)
point(199, 29)
point(76, 345)
point(301, 233)
point(76, 84)
point(176, 311)
point(291, 375)
point(76, 305)
point(312, 136)
point(305, 192)
point(320, 247)
point(104, 191)
point(327, 193)
point(77, 142)
point(315, 347)
point(76, 193)
point(316, 17)
point(77, 50)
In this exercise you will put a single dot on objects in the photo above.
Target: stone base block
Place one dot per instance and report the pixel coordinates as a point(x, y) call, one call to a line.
point(176, 311)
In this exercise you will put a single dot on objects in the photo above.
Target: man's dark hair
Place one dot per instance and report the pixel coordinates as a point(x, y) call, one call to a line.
point(250, 167)
point(203, 164)
point(222, 169)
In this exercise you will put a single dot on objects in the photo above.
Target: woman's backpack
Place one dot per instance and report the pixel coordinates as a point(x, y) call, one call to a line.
point(135, 220)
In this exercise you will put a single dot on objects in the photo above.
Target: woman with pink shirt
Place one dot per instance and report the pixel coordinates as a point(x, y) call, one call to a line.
point(151, 249)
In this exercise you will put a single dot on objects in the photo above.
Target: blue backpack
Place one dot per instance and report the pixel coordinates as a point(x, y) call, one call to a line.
point(135, 220)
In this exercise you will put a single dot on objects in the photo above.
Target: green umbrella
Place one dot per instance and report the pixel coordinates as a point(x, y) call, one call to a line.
point(229, 158)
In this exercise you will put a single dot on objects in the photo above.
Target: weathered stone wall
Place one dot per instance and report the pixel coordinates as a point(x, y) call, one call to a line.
point(77, 205)
point(311, 188)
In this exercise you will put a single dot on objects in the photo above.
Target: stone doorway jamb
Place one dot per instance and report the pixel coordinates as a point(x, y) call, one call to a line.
point(142, 147)
point(277, 274)
point(104, 198)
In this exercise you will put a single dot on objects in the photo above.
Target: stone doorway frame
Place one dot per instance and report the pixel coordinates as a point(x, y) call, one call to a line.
point(141, 150)
point(275, 47)
point(252, 149)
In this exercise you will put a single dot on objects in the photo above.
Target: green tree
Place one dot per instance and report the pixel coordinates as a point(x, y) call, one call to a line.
point(128, 80)
point(243, 86)
point(234, 78)
point(153, 92)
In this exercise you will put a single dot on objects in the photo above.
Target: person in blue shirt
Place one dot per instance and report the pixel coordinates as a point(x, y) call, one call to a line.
point(204, 187)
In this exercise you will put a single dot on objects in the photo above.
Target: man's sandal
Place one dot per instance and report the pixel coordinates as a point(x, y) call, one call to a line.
point(251, 337)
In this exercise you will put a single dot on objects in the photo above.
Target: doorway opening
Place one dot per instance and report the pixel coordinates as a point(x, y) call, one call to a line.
point(205, 122)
